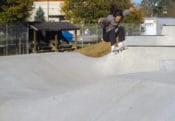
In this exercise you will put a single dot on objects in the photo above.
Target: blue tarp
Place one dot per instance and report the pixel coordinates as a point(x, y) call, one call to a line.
point(67, 35)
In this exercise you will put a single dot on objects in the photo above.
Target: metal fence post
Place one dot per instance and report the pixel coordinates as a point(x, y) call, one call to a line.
point(19, 44)
point(27, 39)
point(6, 39)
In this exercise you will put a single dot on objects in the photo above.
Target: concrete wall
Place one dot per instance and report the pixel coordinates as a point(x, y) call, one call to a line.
point(164, 21)
point(166, 39)
point(157, 24)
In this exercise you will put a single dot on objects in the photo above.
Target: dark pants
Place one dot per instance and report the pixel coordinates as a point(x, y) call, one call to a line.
point(111, 35)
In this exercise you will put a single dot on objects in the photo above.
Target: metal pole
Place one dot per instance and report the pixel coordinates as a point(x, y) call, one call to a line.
point(27, 39)
point(76, 39)
point(6, 39)
point(19, 45)
point(48, 10)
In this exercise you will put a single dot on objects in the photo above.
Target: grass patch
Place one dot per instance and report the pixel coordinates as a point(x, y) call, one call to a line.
point(95, 50)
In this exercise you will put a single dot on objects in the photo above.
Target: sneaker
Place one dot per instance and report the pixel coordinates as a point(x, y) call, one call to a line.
point(113, 48)
point(124, 45)
point(125, 48)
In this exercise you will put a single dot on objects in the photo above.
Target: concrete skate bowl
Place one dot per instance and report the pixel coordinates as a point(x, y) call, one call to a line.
point(137, 84)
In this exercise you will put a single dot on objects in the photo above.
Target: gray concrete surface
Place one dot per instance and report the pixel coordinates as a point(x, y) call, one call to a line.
point(135, 85)
point(166, 39)
point(167, 65)
point(164, 21)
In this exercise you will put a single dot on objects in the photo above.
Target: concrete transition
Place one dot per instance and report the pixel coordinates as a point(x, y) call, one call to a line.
point(135, 85)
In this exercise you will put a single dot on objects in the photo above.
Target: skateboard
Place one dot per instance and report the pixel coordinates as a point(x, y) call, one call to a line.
point(118, 50)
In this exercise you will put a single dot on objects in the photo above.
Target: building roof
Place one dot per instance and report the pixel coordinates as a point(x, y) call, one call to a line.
point(53, 26)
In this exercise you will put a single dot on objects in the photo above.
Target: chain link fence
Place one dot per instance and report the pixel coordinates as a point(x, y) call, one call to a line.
point(132, 29)
point(89, 34)
point(14, 38)
point(92, 33)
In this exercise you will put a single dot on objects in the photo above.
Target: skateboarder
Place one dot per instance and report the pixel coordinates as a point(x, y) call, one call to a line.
point(112, 27)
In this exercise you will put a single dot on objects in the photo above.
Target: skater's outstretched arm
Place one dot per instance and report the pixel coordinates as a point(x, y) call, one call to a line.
point(127, 11)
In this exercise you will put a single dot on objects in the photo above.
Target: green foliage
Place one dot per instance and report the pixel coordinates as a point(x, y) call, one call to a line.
point(134, 17)
point(15, 10)
point(88, 11)
point(39, 15)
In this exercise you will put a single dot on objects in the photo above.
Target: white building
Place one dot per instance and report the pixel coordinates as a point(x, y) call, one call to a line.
point(51, 8)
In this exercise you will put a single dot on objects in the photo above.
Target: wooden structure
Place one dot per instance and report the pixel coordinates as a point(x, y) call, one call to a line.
point(47, 31)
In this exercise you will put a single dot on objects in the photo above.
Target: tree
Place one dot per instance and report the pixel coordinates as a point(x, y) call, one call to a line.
point(15, 10)
point(170, 8)
point(154, 7)
point(39, 15)
point(135, 17)
point(89, 11)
